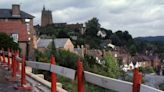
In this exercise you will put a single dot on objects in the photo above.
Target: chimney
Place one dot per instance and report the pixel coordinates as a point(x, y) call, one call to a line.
point(16, 10)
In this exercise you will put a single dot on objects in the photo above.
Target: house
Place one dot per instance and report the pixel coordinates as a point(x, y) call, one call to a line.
point(60, 43)
point(101, 33)
point(19, 25)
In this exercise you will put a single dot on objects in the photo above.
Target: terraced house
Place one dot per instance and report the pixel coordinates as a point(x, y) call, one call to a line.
point(19, 25)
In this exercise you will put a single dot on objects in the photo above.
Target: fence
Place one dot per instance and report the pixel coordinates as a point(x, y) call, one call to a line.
point(79, 74)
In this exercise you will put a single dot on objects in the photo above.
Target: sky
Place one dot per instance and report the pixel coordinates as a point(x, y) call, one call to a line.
point(138, 17)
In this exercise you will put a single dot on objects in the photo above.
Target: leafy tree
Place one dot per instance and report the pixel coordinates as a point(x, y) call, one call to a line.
point(53, 48)
point(92, 27)
point(62, 34)
point(112, 66)
point(133, 49)
point(7, 42)
point(67, 59)
point(109, 33)
point(115, 40)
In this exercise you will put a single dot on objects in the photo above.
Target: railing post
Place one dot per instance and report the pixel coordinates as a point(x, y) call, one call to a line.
point(80, 76)
point(13, 67)
point(1, 56)
point(23, 85)
point(53, 76)
point(9, 66)
point(17, 63)
point(3, 53)
point(137, 79)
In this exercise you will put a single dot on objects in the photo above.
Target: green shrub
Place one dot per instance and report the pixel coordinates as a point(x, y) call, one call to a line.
point(161, 86)
point(146, 69)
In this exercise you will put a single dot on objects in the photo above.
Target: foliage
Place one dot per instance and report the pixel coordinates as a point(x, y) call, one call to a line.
point(71, 85)
point(111, 65)
point(147, 69)
point(67, 59)
point(110, 68)
point(132, 49)
point(92, 27)
point(161, 86)
point(51, 31)
point(42, 57)
point(121, 38)
point(53, 48)
point(62, 34)
point(7, 42)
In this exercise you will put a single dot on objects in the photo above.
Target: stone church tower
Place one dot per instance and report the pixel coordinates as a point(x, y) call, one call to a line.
point(46, 17)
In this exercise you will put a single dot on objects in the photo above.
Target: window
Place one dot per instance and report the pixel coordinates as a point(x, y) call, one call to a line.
point(28, 26)
point(15, 37)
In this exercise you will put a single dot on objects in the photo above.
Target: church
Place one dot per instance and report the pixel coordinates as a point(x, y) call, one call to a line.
point(46, 17)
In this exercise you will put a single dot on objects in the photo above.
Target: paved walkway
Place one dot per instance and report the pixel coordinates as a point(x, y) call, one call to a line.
point(6, 86)
point(153, 80)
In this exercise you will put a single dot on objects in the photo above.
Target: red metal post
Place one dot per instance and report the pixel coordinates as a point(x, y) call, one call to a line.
point(3, 53)
point(23, 74)
point(8, 59)
point(137, 79)
point(13, 67)
point(23, 78)
point(53, 76)
point(1, 56)
point(80, 76)
point(18, 64)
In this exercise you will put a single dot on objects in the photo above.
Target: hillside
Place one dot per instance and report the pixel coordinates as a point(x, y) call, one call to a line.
point(151, 38)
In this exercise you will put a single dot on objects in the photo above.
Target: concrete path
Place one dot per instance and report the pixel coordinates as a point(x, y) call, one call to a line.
point(153, 80)
point(6, 86)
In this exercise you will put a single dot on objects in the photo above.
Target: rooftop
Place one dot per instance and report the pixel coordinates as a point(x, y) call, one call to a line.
point(7, 13)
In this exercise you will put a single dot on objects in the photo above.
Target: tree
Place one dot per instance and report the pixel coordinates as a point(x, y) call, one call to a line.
point(112, 66)
point(7, 42)
point(115, 40)
point(53, 47)
point(62, 34)
point(67, 59)
point(92, 27)
point(133, 49)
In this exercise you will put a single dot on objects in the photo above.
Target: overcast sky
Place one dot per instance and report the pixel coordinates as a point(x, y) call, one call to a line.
point(139, 17)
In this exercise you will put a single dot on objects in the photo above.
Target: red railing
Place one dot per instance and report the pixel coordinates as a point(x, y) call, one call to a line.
point(99, 80)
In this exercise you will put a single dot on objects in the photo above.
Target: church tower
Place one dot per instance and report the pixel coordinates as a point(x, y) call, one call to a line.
point(46, 17)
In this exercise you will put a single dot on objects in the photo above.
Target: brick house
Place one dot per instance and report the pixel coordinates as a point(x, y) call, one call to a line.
point(19, 25)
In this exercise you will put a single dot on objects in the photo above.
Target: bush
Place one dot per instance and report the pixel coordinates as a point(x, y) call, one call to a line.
point(161, 86)
point(146, 69)
point(71, 85)
point(7, 42)
point(66, 59)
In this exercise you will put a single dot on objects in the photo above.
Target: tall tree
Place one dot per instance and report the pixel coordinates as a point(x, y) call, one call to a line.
point(112, 66)
point(92, 27)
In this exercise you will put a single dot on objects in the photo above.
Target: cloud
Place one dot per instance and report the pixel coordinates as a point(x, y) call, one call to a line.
point(139, 17)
